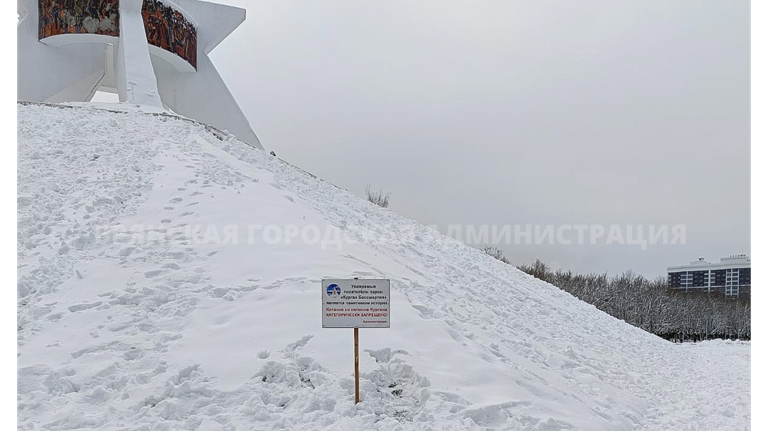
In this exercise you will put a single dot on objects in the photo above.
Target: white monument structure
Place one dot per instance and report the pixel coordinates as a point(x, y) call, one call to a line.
point(149, 52)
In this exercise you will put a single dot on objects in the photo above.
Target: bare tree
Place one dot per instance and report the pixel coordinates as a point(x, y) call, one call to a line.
point(651, 306)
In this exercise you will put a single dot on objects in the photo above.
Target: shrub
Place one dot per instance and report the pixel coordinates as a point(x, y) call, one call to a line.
point(495, 253)
point(378, 198)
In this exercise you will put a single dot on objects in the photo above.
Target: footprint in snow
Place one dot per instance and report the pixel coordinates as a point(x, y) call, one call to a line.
point(298, 344)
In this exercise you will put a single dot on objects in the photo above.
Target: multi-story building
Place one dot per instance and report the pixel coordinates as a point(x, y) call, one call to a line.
point(732, 275)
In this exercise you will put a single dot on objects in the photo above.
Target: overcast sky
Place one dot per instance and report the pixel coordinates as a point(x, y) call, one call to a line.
point(515, 112)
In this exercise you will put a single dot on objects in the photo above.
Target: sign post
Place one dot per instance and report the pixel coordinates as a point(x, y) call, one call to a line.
point(355, 303)
point(357, 369)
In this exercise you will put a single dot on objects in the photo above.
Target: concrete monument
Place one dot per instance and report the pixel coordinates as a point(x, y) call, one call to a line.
point(149, 52)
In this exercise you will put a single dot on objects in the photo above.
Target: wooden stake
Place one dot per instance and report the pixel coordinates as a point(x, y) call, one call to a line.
point(357, 371)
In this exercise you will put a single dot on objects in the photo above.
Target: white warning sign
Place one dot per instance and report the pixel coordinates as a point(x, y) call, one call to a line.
point(355, 303)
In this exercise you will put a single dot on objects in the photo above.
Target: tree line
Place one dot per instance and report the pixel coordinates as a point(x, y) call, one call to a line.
point(650, 305)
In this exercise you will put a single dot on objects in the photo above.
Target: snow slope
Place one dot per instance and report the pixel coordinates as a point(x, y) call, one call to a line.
point(153, 296)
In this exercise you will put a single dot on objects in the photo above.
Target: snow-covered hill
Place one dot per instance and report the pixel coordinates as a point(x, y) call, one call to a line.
point(158, 290)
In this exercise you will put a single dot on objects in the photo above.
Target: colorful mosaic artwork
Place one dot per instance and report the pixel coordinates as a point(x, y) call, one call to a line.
point(168, 29)
point(78, 17)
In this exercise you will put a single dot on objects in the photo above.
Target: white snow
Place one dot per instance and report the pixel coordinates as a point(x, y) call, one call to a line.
point(147, 303)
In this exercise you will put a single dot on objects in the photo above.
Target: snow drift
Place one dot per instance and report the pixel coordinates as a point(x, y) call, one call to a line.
point(169, 278)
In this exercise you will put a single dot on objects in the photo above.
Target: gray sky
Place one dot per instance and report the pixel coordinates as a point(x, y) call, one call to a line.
point(515, 112)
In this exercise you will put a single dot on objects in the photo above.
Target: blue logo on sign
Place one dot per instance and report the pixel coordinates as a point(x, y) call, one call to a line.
point(333, 289)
